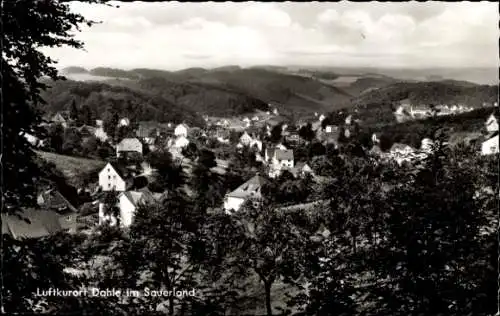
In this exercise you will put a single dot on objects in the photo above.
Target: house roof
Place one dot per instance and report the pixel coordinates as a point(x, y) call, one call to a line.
point(140, 196)
point(145, 131)
point(31, 223)
point(249, 188)
point(62, 114)
point(316, 125)
point(182, 125)
point(491, 136)
point(129, 144)
point(399, 146)
point(120, 170)
point(54, 200)
point(284, 154)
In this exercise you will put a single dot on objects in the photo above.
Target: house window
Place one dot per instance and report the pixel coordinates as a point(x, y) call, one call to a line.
point(109, 177)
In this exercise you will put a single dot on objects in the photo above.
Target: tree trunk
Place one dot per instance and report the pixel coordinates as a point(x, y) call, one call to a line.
point(171, 306)
point(267, 286)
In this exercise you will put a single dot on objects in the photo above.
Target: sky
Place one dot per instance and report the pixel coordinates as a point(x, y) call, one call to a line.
point(173, 35)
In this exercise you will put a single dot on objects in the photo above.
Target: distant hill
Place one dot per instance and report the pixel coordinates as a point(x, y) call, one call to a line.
point(232, 90)
point(74, 70)
point(369, 83)
point(113, 72)
point(98, 96)
point(292, 92)
point(237, 89)
point(204, 98)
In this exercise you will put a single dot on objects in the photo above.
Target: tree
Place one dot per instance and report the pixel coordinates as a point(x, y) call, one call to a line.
point(159, 250)
point(433, 263)
point(90, 146)
point(72, 142)
point(86, 115)
point(111, 209)
point(306, 132)
point(330, 291)
point(110, 121)
point(56, 138)
point(269, 246)
point(169, 174)
point(276, 132)
point(73, 110)
point(190, 151)
point(27, 26)
point(316, 149)
point(207, 159)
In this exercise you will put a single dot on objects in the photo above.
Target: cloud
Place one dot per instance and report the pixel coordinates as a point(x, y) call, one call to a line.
point(173, 35)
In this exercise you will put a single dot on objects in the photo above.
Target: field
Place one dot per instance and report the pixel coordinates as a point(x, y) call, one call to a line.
point(70, 166)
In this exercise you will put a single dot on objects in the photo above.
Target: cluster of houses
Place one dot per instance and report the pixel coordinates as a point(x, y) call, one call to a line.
point(407, 111)
point(60, 215)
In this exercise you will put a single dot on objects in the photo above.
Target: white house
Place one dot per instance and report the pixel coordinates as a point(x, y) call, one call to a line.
point(124, 122)
point(99, 123)
point(402, 114)
point(256, 143)
point(129, 201)
point(302, 169)
point(61, 118)
point(181, 142)
point(283, 159)
point(275, 111)
point(348, 120)
point(245, 139)
point(222, 140)
point(250, 189)
point(401, 153)
point(181, 130)
point(330, 128)
point(33, 140)
point(129, 145)
point(490, 146)
point(492, 124)
point(255, 118)
point(101, 134)
point(422, 111)
point(111, 179)
point(375, 139)
point(321, 117)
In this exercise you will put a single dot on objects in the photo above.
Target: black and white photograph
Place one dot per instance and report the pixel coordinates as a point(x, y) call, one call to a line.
point(250, 158)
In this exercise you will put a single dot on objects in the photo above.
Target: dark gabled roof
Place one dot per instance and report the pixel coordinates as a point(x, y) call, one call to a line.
point(250, 187)
point(284, 154)
point(64, 115)
point(143, 195)
point(122, 171)
point(31, 223)
point(54, 200)
point(129, 144)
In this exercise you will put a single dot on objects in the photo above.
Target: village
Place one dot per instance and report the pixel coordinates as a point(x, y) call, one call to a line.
point(272, 141)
